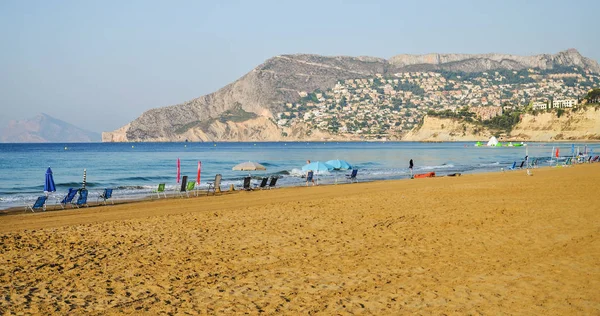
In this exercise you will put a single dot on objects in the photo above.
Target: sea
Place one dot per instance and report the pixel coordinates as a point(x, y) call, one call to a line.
point(134, 170)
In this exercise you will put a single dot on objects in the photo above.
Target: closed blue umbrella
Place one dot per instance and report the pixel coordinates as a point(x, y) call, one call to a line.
point(49, 184)
point(339, 164)
point(317, 166)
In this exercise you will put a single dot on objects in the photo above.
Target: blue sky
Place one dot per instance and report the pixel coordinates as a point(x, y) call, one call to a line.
point(100, 64)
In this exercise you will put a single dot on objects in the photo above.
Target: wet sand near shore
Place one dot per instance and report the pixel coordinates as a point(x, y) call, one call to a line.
point(476, 244)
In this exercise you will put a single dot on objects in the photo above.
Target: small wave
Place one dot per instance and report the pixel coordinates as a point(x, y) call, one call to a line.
point(443, 166)
point(489, 164)
point(282, 172)
point(146, 179)
point(136, 187)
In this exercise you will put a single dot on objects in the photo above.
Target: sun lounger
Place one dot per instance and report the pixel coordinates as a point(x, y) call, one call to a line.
point(40, 204)
point(513, 167)
point(352, 176)
point(68, 199)
point(247, 184)
point(273, 182)
point(82, 199)
point(105, 196)
point(160, 190)
point(263, 183)
point(188, 188)
point(596, 159)
point(214, 185)
point(183, 186)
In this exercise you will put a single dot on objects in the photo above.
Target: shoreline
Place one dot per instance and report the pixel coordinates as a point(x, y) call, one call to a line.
point(488, 243)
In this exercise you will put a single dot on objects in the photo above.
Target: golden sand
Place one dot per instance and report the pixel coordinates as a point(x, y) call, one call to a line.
point(477, 244)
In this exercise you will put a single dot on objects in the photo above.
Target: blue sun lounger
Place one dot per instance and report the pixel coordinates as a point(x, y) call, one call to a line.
point(82, 199)
point(40, 204)
point(106, 195)
point(68, 199)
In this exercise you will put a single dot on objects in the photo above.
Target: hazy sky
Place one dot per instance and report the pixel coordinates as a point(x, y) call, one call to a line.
point(100, 64)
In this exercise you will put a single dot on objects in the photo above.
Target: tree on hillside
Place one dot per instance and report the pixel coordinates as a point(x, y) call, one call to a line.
point(593, 96)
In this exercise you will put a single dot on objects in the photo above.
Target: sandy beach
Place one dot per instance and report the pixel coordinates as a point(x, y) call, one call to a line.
point(498, 243)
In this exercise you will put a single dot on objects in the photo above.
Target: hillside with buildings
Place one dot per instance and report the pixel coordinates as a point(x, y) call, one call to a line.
point(309, 97)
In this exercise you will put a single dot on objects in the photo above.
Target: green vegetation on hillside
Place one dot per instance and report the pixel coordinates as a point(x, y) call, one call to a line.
point(502, 123)
point(236, 114)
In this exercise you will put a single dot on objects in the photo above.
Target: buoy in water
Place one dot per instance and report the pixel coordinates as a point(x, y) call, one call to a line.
point(66, 148)
point(132, 146)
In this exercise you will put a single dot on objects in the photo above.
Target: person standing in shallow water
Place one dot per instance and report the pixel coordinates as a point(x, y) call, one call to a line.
point(309, 174)
point(410, 166)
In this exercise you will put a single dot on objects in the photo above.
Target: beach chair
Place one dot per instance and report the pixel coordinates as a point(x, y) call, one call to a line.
point(273, 182)
point(263, 183)
point(513, 167)
point(521, 165)
point(68, 199)
point(568, 162)
point(247, 184)
point(215, 184)
point(352, 176)
point(596, 159)
point(105, 196)
point(40, 204)
point(82, 199)
point(183, 187)
point(159, 190)
point(188, 188)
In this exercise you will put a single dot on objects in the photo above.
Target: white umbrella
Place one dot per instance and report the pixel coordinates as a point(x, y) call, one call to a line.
point(249, 166)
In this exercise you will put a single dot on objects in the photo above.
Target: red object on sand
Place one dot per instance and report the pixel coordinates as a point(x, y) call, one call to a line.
point(199, 170)
point(178, 170)
point(424, 175)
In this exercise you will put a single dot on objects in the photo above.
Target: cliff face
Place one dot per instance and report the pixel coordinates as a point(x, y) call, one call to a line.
point(446, 130)
point(581, 125)
point(265, 89)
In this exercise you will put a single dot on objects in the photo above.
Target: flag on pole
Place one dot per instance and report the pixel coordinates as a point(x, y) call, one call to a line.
point(199, 170)
point(178, 170)
point(557, 151)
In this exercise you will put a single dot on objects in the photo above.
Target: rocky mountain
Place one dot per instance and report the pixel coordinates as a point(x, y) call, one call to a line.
point(484, 62)
point(45, 129)
point(259, 95)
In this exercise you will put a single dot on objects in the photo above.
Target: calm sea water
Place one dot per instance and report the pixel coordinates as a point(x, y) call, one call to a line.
point(134, 170)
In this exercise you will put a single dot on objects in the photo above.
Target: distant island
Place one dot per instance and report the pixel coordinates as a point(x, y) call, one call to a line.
point(442, 97)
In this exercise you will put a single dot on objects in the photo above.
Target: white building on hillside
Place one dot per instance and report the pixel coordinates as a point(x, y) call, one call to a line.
point(564, 103)
point(540, 105)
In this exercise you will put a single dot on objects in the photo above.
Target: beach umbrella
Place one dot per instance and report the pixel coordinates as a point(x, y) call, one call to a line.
point(84, 177)
point(338, 164)
point(178, 170)
point(317, 166)
point(199, 170)
point(249, 166)
point(49, 184)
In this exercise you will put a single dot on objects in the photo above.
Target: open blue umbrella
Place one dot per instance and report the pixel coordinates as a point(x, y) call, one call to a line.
point(339, 164)
point(317, 166)
point(49, 184)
